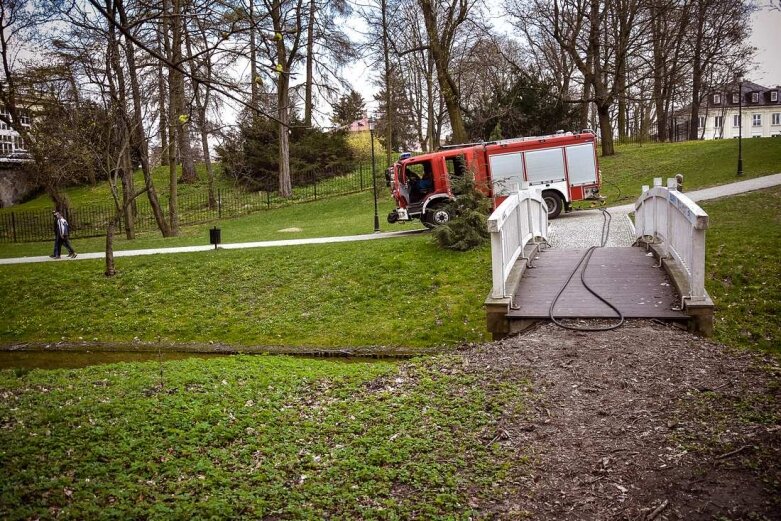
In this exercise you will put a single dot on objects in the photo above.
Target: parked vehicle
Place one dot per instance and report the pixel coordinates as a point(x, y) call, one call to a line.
point(563, 165)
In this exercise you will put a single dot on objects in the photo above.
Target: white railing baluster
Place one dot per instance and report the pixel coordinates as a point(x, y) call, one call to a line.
point(679, 224)
point(512, 226)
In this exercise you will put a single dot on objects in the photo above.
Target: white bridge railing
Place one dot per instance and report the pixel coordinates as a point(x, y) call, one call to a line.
point(679, 225)
point(520, 219)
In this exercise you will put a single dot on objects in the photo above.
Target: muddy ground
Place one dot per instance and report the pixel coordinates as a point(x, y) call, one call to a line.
point(643, 422)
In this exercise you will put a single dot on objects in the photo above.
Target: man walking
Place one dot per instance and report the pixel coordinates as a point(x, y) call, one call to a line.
point(61, 231)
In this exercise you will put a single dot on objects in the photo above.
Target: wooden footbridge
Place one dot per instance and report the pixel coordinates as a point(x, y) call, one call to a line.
point(661, 277)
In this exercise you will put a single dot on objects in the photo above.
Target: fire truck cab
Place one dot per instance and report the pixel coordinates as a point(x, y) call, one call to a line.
point(564, 166)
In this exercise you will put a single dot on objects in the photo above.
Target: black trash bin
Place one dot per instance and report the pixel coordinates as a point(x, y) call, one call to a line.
point(214, 236)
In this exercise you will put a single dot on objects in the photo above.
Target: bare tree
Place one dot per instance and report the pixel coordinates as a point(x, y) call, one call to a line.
point(444, 21)
point(719, 30)
point(598, 37)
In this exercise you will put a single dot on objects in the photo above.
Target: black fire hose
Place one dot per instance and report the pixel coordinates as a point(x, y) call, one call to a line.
point(584, 260)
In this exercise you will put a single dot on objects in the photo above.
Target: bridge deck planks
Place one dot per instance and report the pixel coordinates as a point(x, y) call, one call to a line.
point(624, 276)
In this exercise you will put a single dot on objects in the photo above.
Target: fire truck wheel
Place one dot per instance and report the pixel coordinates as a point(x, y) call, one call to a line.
point(554, 202)
point(436, 216)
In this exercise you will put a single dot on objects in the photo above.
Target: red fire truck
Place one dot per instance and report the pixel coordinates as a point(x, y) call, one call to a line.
point(563, 165)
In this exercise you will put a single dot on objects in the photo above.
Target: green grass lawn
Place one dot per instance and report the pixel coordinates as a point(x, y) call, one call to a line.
point(397, 292)
point(258, 437)
point(346, 215)
point(702, 163)
point(743, 267)
point(101, 192)
point(394, 292)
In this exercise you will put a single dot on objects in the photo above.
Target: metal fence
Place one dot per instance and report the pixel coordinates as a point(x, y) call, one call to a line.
point(193, 208)
point(677, 129)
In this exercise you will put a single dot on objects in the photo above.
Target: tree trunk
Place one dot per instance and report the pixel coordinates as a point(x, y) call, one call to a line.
point(698, 70)
point(110, 270)
point(178, 109)
point(584, 123)
point(253, 58)
point(201, 104)
point(165, 148)
point(433, 145)
point(283, 110)
point(173, 214)
point(138, 139)
point(389, 116)
point(119, 102)
point(605, 128)
point(58, 197)
point(659, 76)
point(310, 44)
point(126, 174)
point(207, 159)
point(440, 51)
point(452, 104)
point(622, 108)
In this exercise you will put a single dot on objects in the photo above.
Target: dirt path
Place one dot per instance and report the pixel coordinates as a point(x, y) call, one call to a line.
point(644, 422)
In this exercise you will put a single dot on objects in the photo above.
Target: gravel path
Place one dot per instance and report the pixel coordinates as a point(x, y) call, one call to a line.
point(581, 229)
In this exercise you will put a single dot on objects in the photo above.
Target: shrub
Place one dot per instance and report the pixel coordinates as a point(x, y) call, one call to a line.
point(468, 226)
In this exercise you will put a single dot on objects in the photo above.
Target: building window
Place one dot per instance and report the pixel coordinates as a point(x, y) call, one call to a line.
point(700, 121)
point(718, 121)
point(735, 98)
point(754, 97)
point(774, 95)
point(717, 99)
point(776, 120)
point(735, 120)
point(756, 120)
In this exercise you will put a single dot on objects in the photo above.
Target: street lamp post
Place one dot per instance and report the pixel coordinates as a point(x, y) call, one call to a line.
point(739, 79)
point(372, 122)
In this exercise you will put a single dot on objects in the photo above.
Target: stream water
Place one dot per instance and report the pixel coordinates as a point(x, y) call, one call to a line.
point(71, 360)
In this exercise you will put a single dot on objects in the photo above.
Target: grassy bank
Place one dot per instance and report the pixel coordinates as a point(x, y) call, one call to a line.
point(396, 292)
point(702, 163)
point(743, 252)
point(257, 437)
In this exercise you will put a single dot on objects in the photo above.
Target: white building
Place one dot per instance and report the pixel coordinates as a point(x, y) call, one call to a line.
point(10, 140)
point(761, 107)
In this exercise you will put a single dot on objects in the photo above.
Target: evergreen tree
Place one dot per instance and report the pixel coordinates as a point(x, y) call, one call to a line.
point(250, 155)
point(349, 108)
point(468, 225)
point(527, 108)
point(403, 121)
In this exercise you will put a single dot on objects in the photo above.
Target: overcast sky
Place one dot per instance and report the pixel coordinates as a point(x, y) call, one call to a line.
point(766, 37)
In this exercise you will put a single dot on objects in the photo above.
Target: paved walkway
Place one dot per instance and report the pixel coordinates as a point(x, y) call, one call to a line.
point(579, 229)
point(583, 228)
point(232, 246)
